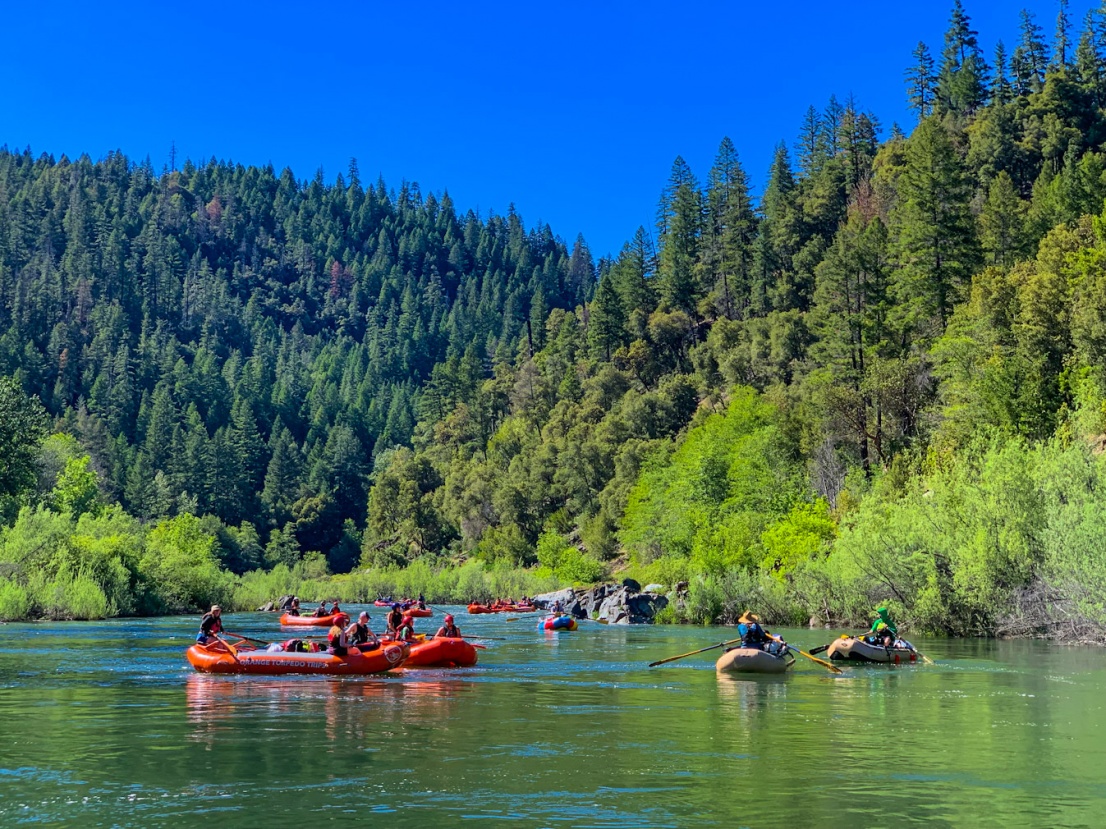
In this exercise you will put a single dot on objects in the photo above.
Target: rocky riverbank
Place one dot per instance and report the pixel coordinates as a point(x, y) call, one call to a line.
point(618, 604)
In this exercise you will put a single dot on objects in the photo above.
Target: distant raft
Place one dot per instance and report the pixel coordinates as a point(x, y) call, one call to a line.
point(287, 620)
point(559, 623)
point(752, 661)
point(220, 658)
point(852, 649)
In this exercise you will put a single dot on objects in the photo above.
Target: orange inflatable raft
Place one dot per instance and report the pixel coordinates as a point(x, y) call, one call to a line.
point(441, 653)
point(314, 621)
point(419, 612)
point(220, 658)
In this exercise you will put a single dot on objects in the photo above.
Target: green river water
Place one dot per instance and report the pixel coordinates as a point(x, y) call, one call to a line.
point(105, 724)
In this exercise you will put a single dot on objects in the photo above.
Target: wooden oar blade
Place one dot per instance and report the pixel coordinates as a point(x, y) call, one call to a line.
point(691, 653)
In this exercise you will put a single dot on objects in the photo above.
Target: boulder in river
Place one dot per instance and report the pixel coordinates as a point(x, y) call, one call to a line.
point(619, 604)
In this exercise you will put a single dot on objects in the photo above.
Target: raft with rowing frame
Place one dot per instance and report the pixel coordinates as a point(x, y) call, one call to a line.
point(851, 649)
point(752, 661)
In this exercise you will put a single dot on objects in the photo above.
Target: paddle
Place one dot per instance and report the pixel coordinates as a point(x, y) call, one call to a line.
point(821, 662)
point(481, 647)
point(692, 653)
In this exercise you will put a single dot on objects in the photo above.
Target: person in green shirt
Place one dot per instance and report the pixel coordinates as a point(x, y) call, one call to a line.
point(883, 631)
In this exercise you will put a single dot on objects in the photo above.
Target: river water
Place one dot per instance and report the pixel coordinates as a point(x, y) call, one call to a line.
point(105, 724)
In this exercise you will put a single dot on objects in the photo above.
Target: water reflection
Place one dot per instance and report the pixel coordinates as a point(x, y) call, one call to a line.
point(345, 706)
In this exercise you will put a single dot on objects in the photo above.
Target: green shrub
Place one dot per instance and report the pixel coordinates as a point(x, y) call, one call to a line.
point(15, 602)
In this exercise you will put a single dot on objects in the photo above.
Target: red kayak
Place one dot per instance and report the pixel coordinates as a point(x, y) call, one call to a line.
point(220, 658)
point(441, 653)
point(314, 621)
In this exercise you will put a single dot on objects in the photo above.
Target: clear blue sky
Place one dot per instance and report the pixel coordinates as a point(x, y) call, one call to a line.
point(573, 111)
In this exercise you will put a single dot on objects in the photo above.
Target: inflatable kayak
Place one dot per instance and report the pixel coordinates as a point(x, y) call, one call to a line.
point(753, 661)
point(219, 658)
point(851, 649)
point(314, 621)
point(441, 653)
point(559, 623)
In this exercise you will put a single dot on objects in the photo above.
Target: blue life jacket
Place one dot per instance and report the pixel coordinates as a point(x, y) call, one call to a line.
point(752, 635)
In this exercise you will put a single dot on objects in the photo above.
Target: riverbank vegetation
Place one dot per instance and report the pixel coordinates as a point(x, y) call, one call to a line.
point(882, 380)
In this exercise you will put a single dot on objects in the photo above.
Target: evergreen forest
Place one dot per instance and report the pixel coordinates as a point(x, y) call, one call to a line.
point(880, 377)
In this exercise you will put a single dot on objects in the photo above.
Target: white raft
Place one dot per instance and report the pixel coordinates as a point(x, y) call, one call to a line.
point(752, 661)
point(851, 649)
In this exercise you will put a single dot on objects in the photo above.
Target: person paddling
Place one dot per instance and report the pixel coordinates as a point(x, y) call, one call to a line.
point(210, 625)
point(755, 637)
point(359, 632)
point(448, 630)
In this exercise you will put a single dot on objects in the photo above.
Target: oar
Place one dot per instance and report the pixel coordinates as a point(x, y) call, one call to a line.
point(821, 662)
point(692, 653)
point(233, 651)
point(821, 648)
point(481, 647)
point(247, 638)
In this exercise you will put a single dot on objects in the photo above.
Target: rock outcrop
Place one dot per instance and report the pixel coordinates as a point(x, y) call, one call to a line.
point(281, 604)
point(619, 604)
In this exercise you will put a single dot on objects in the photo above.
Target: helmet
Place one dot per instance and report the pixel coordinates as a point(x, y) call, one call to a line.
point(395, 606)
point(449, 619)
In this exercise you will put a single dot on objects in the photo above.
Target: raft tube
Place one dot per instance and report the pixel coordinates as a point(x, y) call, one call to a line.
point(851, 649)
point(217, 658)
point(420, 612)
point(752, 661)
point(559, 623)
point(441, 653)
point(379, 603)
point(314, 621)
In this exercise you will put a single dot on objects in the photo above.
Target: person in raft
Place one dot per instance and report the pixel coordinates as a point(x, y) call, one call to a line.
point(320, 611)
point(210, 625)
point(294, 608)
point(757, 638)
point(448, 630)
point(422, 602)
point(338, 639)
point(359, 632)
point(394, 619)
point(884, 631)
point(335, 609)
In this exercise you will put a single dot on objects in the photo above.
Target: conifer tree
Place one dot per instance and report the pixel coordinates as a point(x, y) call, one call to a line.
point(934, 233)
point(681, 213)
point(962, 80)
point(921, 83)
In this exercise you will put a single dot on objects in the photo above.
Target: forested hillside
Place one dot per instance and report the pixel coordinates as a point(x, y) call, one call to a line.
point(882, 379)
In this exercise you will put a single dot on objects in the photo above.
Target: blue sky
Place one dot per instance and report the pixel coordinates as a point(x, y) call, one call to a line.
point(573, 111)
